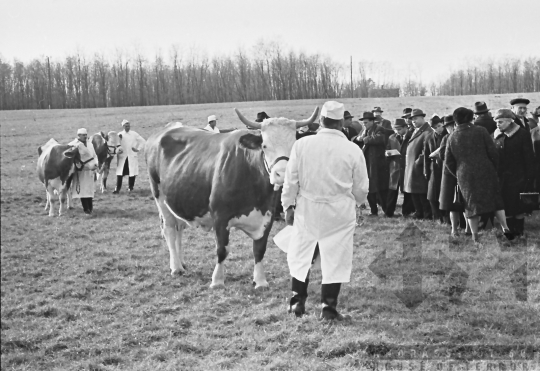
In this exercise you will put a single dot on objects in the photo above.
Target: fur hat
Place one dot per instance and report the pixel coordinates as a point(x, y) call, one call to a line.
point(463, 115)
point(504, 113)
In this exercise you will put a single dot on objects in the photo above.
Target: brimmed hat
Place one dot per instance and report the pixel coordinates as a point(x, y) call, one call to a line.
point(212, 118)
point(449, 120)
point(377, 109)
point(261, 116)
point(347, 115)
point(417, 112)
point(82, 131)
point(519, 100)
point(368, 116)
point(406, 113)
point(504, 113)
point(399, 123)
point(434, 120)
point(480, 107)
point(333, 110)
point(463, 115)
point(124, 122)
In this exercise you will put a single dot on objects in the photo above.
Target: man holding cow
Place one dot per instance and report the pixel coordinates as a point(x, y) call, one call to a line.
point(83, 179)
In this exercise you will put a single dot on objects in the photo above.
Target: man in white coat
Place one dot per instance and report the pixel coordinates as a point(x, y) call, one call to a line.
point(127, 162)
point(82, 185)
point(325, 178)
point(212, 122)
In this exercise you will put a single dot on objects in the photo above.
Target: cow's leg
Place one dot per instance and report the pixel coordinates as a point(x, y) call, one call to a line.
point(104, 175)
point(222, 242)
point(63, 196)
point(259, 249)
point(69, 199)
point(180, 226)
point(50, 196)
point(171, 229)
point(48, 202)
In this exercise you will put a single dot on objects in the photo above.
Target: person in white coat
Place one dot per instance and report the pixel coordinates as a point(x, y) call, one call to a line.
point(82, 185)
point(325, 178)
point(127, 162)
point(212, 122)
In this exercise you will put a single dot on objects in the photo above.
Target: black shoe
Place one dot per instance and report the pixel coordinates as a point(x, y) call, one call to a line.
point(416, 216)
point(297, 306)
point(372, 214)
point(331, 314)
point(115, 191)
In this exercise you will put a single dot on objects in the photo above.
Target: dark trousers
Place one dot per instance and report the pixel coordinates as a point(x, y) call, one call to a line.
point(437, 213)
point(87, 204)
point(131, 182)
point(377, 197)
point(421, 205)
point(391, 202)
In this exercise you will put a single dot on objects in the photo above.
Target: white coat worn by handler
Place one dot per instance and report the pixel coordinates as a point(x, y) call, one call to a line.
point(82, 185)
point(127, 161)
point(326, 177)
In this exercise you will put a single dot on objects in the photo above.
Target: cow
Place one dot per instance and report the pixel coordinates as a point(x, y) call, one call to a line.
point(174, 124)
point(219, 181)
point(105, 146)
point(56, 166)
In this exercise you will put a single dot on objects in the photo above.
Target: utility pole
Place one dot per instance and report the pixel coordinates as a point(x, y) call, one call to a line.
point(49, 74)
point(352, 90)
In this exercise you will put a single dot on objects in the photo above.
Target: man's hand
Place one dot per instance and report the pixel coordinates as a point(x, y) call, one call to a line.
point(134, 149)
point(289, 216)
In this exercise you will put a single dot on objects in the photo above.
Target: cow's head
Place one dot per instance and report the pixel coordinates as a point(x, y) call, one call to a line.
point(113, 143)
point(277, 138)
point(81, 160)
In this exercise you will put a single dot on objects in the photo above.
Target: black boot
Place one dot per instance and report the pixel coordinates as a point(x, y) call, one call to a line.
point(131, 183)
point(297, 305)
point(118, 184)
point(519, 226)
point(90, 204)
point(84, 204)
point(329, 299)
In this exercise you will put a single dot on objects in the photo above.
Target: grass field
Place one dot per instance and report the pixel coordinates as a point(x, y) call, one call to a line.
point(96, 294)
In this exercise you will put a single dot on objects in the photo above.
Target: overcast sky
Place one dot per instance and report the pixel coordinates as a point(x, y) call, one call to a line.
point(424, 36)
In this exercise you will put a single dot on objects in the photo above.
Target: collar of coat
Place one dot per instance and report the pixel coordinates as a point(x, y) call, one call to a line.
point(420, 130)
point(332, 132)
point(514, 129)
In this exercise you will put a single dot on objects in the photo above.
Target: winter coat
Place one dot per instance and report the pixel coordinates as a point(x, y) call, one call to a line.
point(433, 165)
point(129, 140)
point(415, 181)
point(396, 164)
point(374, 147)
point(471, 156)
point(516, 168)
point(448, 184)
point(486, 122)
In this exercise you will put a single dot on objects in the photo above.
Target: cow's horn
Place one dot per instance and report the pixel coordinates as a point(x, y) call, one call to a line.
point(255, 125)
point(310, 120)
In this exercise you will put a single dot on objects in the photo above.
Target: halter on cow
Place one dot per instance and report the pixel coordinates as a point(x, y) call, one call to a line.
point(220, 181)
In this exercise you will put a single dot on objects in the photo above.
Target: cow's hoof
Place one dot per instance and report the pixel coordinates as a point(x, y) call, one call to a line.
point(177, 272)
point(261, 285)
point(217, 285)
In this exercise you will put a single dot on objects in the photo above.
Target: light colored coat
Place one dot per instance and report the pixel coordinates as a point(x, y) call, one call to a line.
point(129, 140)
point(325, 177)
point(82, 185)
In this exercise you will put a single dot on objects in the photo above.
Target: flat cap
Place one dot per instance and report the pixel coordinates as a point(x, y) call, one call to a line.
point(519, 100)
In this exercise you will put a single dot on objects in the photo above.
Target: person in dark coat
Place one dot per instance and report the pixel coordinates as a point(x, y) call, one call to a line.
point(312, 129)
point(377, 111)
point(415, 181)
point(373, 143)
point(407, 117)
point(534, 122)
point(483, 117)
point(471, 156)
point(519, 107)
point(396, 166)
point(448, 186)
point(433, 165)
point(516, 167)
point(348, 128)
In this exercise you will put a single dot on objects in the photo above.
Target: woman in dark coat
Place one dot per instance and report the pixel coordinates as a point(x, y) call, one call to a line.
point(471, 157)
point(516, 167)
point(433, 165)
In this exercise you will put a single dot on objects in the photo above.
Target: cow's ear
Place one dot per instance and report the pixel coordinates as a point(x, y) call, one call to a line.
point(70, 153)
point(251, 141)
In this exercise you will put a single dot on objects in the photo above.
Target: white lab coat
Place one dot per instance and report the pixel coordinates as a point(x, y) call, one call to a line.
point(129, 140)
point(209, 128)
point(83, 181)
point(325, 177)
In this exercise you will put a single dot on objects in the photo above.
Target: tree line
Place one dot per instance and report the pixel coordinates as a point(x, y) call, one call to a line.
point(266, 72)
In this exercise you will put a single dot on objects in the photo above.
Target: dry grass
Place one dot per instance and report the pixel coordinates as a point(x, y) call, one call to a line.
point(97, 295)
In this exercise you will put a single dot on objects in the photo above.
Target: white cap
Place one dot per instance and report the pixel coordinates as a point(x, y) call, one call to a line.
point(124, 122)
point(212, 118)
point(82, 131)
point(333, 110)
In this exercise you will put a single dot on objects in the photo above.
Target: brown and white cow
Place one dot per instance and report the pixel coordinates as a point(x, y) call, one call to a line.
point(219, 181)
point(105, 147)
point(56, 166)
